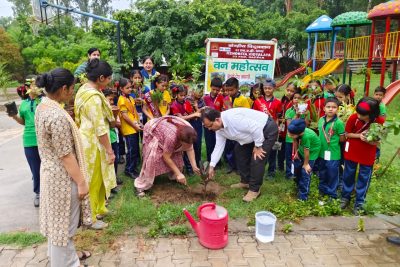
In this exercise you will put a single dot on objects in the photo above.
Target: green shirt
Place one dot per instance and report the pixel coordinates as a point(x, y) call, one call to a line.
point(310, 140)
point(328, 94)
point(290, 114)
point(334, 146)
point(382, 109)
point(27, 111)
point(113, 135)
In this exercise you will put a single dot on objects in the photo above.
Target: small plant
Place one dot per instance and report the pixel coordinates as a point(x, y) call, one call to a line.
point(361, 225)
point(204, 167)
point(157, 97)
point(345, 111)
point(244, 89)
point(378, 132)
point(287, 228)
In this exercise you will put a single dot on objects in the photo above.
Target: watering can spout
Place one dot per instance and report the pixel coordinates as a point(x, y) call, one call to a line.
point(191, 220)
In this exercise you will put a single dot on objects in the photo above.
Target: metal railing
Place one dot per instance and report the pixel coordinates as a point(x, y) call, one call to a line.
point(357, 48)
point(392, 45)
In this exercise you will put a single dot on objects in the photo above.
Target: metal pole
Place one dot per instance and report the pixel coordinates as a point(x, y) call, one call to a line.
point(308, 46)
point(383, 69)
point(315, 52)
point(333, 40)
point(370, 57)
point(345, 53)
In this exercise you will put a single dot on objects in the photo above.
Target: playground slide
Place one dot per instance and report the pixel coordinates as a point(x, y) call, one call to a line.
point(292, 73)
point(327, 69)
point(391, 91)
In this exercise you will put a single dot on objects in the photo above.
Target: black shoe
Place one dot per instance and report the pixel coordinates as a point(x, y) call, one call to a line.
point(358, 210)
point(393, 239)
point(121, 160)
point(131, 175)
point(229, 170)
point(115, 190)
point(36, 201)
point(119, 181)
point(344, 202)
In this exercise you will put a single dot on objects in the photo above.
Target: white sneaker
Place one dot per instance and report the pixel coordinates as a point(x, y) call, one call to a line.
point(99, 225)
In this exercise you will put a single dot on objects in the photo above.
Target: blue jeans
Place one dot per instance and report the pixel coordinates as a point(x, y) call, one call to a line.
point(115, 148)
point(363, 181)
point(198, 126)
point(32, 156)
point(281, 154)
point(209, 137)
point(132, 155)
point(303, 179)
point(288, 158)
point(272, 162)
point(328, 177)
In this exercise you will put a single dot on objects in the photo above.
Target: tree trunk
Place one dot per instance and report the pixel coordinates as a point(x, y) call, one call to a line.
point(288, 6)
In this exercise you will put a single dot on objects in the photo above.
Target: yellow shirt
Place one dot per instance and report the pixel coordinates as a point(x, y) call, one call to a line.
point(250, 101)
point(163, 106)
point(241, 102)
point(129, 107)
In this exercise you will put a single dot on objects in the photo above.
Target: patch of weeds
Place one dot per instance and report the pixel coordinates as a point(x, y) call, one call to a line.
point(21, 239)
point(287, 228)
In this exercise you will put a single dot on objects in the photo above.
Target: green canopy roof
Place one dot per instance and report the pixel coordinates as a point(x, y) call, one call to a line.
point(353, 18)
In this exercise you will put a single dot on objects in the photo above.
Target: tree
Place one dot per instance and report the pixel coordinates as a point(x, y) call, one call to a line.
point(10, 55)
point(101, 7)
point(21, 7)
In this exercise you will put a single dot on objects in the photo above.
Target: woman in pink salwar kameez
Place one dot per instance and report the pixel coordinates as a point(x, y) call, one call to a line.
point(164, 141)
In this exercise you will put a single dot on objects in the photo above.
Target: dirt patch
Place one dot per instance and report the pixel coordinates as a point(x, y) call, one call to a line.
point(169, 191)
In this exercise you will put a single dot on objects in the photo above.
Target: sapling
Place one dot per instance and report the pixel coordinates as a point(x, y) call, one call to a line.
point(156, 97)
point(204, 168)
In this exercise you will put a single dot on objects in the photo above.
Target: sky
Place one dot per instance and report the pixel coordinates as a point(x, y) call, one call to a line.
point(6, 11)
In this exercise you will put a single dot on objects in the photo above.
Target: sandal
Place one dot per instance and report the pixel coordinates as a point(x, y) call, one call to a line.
point(84, 255)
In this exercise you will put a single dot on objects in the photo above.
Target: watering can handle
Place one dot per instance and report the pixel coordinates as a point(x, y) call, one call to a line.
point(204, 206)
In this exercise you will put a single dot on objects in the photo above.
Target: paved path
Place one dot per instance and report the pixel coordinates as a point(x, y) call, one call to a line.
point(16, 195)
point(313, 243)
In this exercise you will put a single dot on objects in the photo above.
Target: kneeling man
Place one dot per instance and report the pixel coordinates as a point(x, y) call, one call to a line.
point(255, 132)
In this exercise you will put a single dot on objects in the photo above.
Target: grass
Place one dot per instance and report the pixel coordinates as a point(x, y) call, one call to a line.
point(21, 239)
point(133, 216)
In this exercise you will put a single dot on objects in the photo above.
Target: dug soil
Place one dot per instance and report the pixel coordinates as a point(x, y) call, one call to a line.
point(165, 190)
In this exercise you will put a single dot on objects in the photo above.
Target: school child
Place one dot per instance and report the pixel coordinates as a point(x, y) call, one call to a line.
point(379, 94)
point(330, 86)
point(130, 127)
point(156, 110)
point(255, 93)
point(331, 133)
point(138, 92)
point(359, 152)
point(317, 100)
point(272, 106)
point(121, 141)
point(114, 133)
point(237, 100)
point(214, 100)
point(345, 94)
point(182, 108)
point(291, 114)
point(287, 103)
point(308, 146)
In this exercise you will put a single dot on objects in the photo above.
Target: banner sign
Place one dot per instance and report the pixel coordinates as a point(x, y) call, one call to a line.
point(250, 61)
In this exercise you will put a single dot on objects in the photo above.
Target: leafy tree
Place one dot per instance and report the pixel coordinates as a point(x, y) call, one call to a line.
point(21, 7)
point(10, 55)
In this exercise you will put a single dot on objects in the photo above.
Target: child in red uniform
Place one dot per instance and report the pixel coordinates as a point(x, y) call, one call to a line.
point(318, 101)
point(272, 106)
point(359, 152)
point(181, 107)
point(214, 100)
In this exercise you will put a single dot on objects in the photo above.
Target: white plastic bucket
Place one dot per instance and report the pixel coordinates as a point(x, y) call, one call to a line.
point(265, 226)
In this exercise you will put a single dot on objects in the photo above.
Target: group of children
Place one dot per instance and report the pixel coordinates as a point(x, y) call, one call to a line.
point(302, 148)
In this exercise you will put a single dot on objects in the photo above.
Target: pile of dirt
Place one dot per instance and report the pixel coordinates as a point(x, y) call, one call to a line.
point(173, 193)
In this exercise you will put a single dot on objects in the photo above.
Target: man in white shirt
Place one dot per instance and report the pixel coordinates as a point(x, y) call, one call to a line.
point(255, 133)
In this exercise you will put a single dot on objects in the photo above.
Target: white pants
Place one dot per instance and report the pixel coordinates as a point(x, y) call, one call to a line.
point(66, 256)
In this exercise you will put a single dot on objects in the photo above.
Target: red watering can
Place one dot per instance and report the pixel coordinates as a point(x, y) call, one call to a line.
point(212, 228)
